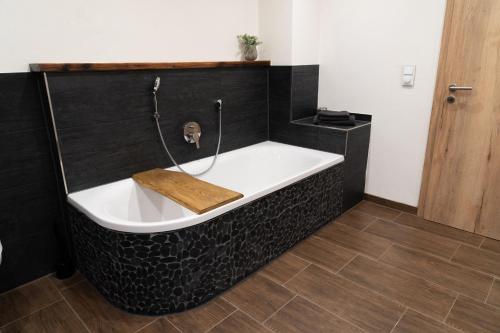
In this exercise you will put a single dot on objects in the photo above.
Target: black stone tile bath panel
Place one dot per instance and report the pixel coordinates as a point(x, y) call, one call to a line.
point(28, 200)
point(167, 272)
point(107, 132)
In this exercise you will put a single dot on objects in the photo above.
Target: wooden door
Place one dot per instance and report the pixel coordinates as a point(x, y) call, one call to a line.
point(461, 183)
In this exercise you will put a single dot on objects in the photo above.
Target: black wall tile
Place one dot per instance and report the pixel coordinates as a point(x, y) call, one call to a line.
point(356, 162)
point(280, 94)
point(305, 81)
point(107, 131)
point(19, 103)
point(27, 259)
point(28, 202)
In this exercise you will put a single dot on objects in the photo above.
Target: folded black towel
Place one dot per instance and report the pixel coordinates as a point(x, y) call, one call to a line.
point(350, 121)
point(333, 115)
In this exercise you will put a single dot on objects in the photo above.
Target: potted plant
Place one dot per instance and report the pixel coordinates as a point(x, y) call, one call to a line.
point(249, 46)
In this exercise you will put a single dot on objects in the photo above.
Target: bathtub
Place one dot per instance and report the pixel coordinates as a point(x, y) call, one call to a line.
point(148, 255)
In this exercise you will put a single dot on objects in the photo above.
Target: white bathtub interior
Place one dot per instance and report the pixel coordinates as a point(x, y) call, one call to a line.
point(253, 171)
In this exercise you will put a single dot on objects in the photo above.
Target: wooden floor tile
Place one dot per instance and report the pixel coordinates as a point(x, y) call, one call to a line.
point(356, 219)
point(65, 283)
point(56, 318)
point(161, 325)
point(494, 297)
point(414, 322)
point(472, 316)
point(460, 279)
point(240, 323)
point(382, 212)
point(258, 296)
point(412, 291)
point(356, 304)
point(414, 238)
point(323, 253)
point(284, 267)
point(27, 299)
point(301, 316)
point(491, 245)
point(439, 229)
point(99, 315)
point(203, 317)
point(363, 242)
point(482, 260)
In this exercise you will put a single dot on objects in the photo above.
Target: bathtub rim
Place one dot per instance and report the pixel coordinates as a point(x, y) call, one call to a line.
point(121, 225)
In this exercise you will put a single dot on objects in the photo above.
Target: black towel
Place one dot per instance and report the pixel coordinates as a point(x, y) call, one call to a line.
point(350, 121)
point(333, 115)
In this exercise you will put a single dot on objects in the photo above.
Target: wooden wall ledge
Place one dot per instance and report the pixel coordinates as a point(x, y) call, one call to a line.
point(89, 67)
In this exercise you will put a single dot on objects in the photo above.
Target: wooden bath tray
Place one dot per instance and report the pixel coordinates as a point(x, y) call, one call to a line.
point(190, 192)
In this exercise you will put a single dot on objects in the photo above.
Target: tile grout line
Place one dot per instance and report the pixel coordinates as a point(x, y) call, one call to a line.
point(399, 303)
point(390, 299)
point(443, 258)
point(296, 274)
point(489, 292)
point(482, 242)
point(454, 253)
point(279, 309)
point(400, 317)
point(356, 252)
point(220, 321)
point(413, 275)
point(399, 215)
point(449, 311)
point(364, 287)
point(313, 302)
point(446, 260)
point(369, 224)
point(26, 284)
point(393, 300)
point(436, 234)
point(459, 293)
point(148, 324)
point(330, 270)
point(71, 307)
point(237, 309)
point(32, 313)
point(70, 285)
point(489, 251)
point(384, 252)
point(459, 243)
point(171, 323)
point(347, 263)
point(374, 291)
point(325, 309)
point(492, 275)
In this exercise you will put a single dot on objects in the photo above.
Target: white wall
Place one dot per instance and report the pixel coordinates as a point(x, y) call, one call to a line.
point(275, 30)
point(306, 32)
point(122, 30)
point(363, 45)
point(290, 31)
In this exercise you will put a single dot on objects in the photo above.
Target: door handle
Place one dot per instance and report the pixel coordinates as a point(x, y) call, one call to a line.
point(453, 87)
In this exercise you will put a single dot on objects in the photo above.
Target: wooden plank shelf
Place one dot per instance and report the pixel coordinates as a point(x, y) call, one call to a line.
point(192, 193)
point(131, 66)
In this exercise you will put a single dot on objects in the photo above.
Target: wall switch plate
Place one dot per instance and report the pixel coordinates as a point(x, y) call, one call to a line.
point(408, 76)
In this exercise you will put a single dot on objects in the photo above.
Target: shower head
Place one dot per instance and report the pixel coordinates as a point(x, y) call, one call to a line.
point(157, 85)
